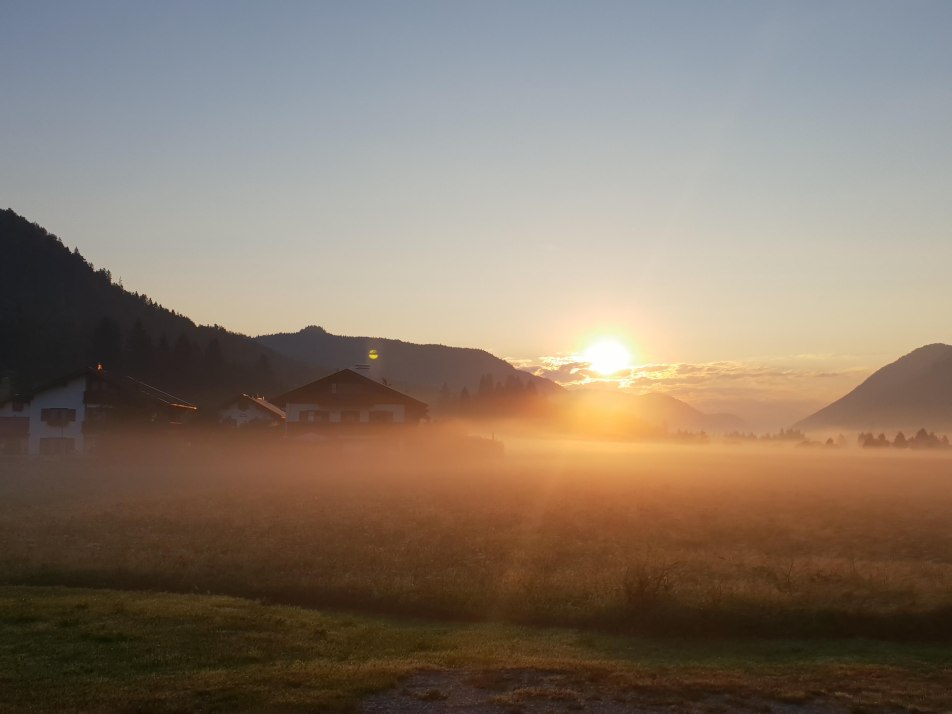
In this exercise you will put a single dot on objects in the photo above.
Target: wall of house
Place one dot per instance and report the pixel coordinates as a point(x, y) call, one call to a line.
point(294, 411)
point(13, 433)
point(69, 396)
point(11, 409)
point(253, 413)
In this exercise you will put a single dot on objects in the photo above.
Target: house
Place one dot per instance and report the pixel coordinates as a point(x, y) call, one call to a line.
point(246, 410)
point(347, 400)
point(66, 415)
point(14, 427)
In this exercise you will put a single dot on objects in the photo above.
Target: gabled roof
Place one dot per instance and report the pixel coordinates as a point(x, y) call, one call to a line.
point(348, 387)
point(131, 388)
point(276, 411)
point(150, 393)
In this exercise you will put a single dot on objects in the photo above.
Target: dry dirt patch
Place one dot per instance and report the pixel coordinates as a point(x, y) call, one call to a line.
point(531, 691)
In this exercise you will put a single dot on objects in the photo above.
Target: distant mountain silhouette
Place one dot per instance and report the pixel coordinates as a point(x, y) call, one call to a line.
point(659, 410)
point(914, 391)
point(58, 313)
point(421, 370)
point(676, 414)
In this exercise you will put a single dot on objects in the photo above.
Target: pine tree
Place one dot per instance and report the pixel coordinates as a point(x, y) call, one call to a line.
point(140, 354)
point(106, 344)
point(213, 364)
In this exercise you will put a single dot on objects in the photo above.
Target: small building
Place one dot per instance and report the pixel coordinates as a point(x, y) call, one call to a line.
point(14, 427)
point(246, 410)
point(347, 400)
point(67, 415)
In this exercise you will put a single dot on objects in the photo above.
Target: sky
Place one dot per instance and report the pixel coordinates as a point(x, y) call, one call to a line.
point(755, 184)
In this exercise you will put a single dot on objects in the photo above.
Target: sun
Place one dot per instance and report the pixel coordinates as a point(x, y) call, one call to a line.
point(607, 357)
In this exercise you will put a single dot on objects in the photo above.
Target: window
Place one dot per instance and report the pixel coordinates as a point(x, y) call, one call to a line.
point(381, 416)
point(54, 445)
point(58, 416)
point(349, 416)
point(314, 416)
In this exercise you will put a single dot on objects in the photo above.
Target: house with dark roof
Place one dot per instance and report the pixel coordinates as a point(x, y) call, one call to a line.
point(246, 410)
point(347, 401)
point(67, 415)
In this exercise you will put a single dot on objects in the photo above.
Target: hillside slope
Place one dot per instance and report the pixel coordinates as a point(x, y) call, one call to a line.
point(676, 414)
point(58, 313)
point(912, 392)
point(659, 412)
point(422, 368)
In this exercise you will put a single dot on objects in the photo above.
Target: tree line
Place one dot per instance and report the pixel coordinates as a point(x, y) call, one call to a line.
point(921, 440)
point(183, 366)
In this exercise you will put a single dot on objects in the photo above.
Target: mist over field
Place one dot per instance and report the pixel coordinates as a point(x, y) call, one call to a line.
point(490, 357)
point(763, 540)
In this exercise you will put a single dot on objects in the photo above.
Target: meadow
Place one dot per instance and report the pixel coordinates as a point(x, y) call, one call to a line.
point(72, 649)
point(700, 541)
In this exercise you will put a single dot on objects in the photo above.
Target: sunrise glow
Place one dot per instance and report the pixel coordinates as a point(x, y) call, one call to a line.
point(607, 357)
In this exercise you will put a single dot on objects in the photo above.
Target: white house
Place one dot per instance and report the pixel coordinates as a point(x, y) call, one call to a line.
point(347, 399)
point(65, 415)
point(246, 410)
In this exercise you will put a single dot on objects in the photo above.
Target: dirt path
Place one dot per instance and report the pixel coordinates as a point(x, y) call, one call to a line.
point(530, 691)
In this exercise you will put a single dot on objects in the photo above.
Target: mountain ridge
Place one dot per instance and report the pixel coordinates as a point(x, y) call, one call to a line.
point(911, 392)
point(59, 313)
point(426, 367)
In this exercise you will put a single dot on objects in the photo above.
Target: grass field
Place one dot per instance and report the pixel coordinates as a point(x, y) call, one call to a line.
point(699, 542)
point(64, 649)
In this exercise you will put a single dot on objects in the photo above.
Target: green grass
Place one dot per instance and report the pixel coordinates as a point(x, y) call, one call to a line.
point(682, 543)
point(96, 650)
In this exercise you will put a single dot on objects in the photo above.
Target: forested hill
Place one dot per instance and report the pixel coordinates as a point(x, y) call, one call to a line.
point(421, 368)
point(58, 313)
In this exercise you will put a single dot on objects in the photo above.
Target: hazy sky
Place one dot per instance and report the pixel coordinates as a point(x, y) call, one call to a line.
point(714, 181)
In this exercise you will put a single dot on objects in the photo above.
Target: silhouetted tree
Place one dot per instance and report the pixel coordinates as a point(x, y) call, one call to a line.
point(183, 362)
point(140, 353)
point(106, 344)
point(213, 365)
point(513, 387)
point(263, 377)
point(486, 387)
point(924, 440)
point(445, 397)
point(162, 365)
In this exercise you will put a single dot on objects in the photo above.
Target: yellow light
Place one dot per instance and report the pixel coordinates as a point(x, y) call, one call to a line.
point(607, 357)
point(373, 354)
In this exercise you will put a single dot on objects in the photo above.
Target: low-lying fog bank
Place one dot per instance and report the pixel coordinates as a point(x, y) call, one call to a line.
point(655, 538)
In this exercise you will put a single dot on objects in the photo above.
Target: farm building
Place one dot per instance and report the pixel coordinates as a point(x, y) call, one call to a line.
point(347, 399)
point(67, 415)
point(246, 410)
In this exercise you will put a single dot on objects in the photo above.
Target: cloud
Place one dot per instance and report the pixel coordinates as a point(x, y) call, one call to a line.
point(803, 384)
